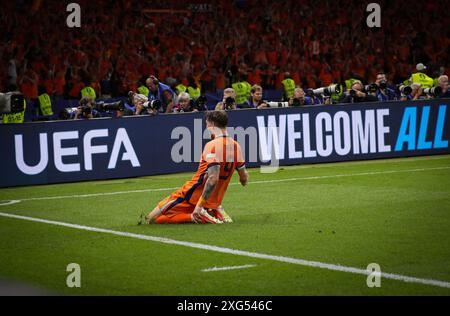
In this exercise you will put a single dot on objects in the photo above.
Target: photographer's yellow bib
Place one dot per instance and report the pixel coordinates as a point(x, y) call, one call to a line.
point(45, 103)
point(88, 92)
point(289, 87)
point(241, 92)
point(15, 118)
point(194, 93)
point(422, 79)
point(143, 90)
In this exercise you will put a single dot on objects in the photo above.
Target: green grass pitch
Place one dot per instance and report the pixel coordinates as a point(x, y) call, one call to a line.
point(395, 213)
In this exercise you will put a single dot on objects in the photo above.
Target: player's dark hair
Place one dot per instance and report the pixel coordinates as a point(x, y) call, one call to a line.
point(218, 118)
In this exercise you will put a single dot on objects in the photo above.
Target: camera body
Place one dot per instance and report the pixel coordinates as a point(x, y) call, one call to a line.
point(199, 104)
point(404, 89)
point(296, 102)
point(382, 85)
point(11, 102)
point(229, 103)
point(371, 88)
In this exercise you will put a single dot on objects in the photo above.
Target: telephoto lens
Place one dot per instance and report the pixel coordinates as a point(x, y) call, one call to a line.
point(405, 90)
point(434, 92)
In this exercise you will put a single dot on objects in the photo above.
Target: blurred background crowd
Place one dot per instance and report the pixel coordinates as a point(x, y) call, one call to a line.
point(211, 45)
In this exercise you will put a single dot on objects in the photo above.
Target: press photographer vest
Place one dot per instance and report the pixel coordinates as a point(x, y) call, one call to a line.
point(194, 93)
point(336, 96)
point(45, 104)
point(88, 92)
point(180, 88)
point(143, 90)
point(289, 87)
point(349, 83)
point(241, 92)
point(15, 118)
point(422, 79)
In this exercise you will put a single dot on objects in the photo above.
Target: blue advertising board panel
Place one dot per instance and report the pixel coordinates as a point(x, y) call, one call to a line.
point(68, 151)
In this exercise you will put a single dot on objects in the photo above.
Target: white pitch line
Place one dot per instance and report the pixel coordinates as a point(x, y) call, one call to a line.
point(302, 262)
point(250, 183)
point(214, 269)
point(10, 202)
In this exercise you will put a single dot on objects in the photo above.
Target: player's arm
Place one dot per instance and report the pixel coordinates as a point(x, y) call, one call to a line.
point(210, 186)
point(243, 175)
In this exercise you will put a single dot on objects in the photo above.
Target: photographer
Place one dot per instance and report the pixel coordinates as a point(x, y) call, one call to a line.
point(312, 99)
point(138, 104)
point(356, 95)
point(229, 100)
point(415, 94)
point(161, 92)
point(255, 101)
point(384, 93)
point(85, 110)
point(184, 104)
point(443, 83)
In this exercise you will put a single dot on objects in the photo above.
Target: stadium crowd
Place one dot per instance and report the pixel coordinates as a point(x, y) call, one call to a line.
point(204, 46)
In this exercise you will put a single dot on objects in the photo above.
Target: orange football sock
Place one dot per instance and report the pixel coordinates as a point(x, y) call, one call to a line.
point(176, 219)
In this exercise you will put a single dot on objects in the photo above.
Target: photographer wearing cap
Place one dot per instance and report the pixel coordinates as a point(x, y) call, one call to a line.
point(384, 93)
point(421, 78)
point(229, 100)
point(356, 95)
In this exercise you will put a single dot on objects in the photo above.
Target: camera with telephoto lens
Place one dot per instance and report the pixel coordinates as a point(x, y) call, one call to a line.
point(274, 104)
point(371, 88)
point(433, 92)
point(310, 93)
point(229, 102)
point(383, 84)
point(327, 91)
point(200, 103)
point(135, 98)
point(11, 102)
point(153, 105)
point(296, 102)
point(86, 110)
point(114, 106)
point(85, 105)
point(405, 90)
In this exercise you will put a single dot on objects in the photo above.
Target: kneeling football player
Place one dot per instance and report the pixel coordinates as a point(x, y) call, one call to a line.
point(200, 199)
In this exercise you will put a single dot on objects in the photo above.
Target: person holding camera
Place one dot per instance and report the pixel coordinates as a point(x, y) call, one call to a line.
point(384, 92)
point(415, 94)
point(229, 100)
point(443, 83)
point(300, 98)
point(184, 104)
point(255, 101)
point(138, 104)
point(356, 95)
point(85, 110)
point(161, 92)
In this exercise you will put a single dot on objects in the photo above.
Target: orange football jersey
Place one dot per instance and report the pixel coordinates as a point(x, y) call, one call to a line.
point(223, 151)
